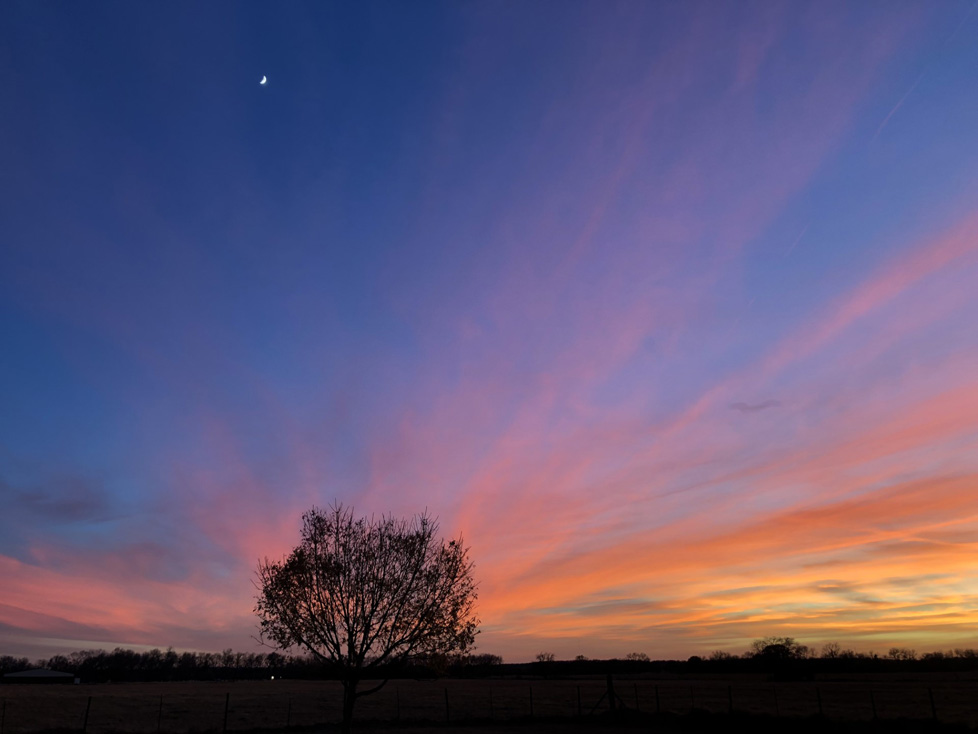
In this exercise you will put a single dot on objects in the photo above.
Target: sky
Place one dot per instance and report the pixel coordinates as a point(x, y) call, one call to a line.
point(669, 309)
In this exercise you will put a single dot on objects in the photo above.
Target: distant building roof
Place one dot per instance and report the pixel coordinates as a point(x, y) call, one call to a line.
point(39, 673)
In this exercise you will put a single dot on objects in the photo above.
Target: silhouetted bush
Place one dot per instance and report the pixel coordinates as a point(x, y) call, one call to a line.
point(10, 664)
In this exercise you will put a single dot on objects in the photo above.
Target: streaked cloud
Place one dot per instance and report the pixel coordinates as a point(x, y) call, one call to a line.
point(535, 280)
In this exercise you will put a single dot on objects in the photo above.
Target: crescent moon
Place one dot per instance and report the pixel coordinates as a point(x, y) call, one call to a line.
point(263, 80)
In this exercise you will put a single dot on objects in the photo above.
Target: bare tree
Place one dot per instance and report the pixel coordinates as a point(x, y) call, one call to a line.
point(359, 594)
point(901, 653)
point(831, 650)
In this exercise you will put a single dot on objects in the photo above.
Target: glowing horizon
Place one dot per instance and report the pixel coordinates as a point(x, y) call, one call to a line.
point(668, 310)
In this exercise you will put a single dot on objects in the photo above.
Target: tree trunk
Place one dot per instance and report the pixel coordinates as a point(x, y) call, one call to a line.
point(349, 698)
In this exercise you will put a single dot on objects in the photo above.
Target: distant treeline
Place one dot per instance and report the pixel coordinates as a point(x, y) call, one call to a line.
point(155, 665)
point(119, 665)
point(781, 657)
point(784, 668)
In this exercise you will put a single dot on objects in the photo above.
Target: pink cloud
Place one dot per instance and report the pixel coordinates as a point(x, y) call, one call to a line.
point(573, 505)
point(566, 416)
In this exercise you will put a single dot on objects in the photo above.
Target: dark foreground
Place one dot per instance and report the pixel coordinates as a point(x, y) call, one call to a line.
point(628, 723)
point(488, 706)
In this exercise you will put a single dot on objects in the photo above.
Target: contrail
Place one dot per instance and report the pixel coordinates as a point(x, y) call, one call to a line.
point(797, 240)
point(923, 73)
point(897, 106)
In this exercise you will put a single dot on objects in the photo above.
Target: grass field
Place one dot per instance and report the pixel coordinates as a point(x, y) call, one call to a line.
point(178, 708)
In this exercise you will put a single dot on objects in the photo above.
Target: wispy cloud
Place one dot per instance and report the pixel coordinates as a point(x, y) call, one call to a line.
point(520, 303)
point(755, 407)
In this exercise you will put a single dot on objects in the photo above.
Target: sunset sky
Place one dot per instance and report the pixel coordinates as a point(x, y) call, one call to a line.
point(670, 309)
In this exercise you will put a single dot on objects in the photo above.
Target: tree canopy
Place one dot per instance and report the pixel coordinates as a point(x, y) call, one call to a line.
point(776, 649)
point(361, 593)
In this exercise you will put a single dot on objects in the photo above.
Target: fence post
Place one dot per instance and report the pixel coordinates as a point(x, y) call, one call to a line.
point(159, 716)
point(692, 699)
point(288, 714)
point(492, 714)
point(3, 714)
point(636, 697)
point(730, 699)
point(658, 709)
point(531, 702)
point(612, 698)
point(777, 709)
point(447, 715)
point(930, 692)
point(227, 705)
point(872, 702)
point(579, 710)
point(818, 695)
point(88, 708)
point(397, 703)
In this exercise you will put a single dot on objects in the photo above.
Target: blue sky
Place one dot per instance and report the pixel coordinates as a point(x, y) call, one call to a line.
point(510, 262)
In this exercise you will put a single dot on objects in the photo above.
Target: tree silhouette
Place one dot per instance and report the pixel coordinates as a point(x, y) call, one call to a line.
point(359, 594)
point(778, 649)
point(901, 653)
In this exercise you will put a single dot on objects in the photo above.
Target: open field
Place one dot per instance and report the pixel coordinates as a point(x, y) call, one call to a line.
point(178, 708)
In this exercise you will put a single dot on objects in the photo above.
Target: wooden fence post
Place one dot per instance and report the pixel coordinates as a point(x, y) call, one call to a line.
point(658, 708)
point(288, 714)
point(227, 705)
point(579, 710)
point(692, 699)
point(818, 695)
point(930, 692)
point(872, 702)
point(159, 716)
point(612, 698)
point(729, 699)
point(3, 714)
point(88, 708)
point(492, 713)
point(447, 712)
point(397, 703)
point(531, 702)
point(777, 709)
point(636, 697)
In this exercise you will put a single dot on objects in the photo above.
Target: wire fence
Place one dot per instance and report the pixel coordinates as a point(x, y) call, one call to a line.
point(181, 708)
